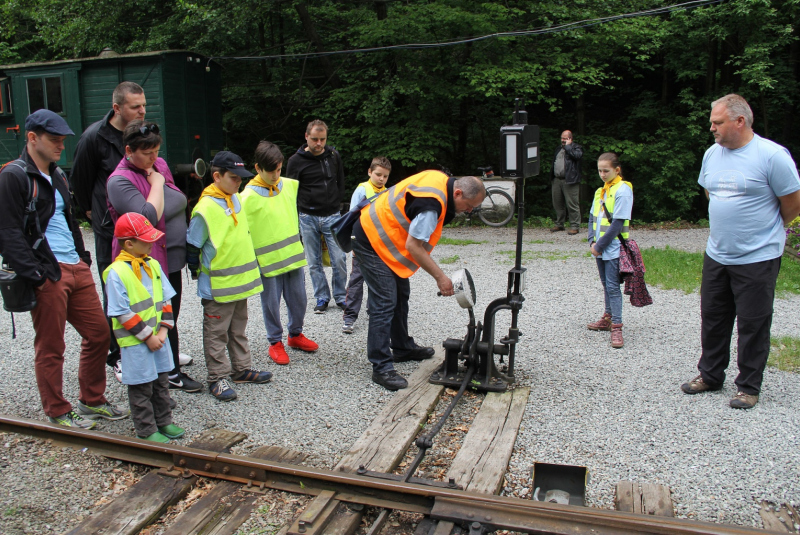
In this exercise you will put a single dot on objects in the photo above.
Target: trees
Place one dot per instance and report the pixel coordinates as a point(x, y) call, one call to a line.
point(641, 86)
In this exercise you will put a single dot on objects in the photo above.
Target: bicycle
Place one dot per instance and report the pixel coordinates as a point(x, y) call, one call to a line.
point(497, 208)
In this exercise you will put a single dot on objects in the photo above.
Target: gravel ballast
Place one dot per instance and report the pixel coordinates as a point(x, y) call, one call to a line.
point(620, 412)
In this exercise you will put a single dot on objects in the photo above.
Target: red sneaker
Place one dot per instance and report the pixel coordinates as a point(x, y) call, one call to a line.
point(278, 354)
point(302, 343)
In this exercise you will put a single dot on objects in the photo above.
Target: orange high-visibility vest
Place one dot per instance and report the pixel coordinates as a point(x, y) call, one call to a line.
point(386, 224)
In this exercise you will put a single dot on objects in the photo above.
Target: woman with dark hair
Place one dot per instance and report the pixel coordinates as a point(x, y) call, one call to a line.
point(143, 183)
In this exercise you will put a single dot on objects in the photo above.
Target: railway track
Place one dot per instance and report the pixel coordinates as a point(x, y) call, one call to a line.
point(465, 500)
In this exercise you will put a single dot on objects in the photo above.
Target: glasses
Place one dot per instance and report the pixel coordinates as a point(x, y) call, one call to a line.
point(143, 130)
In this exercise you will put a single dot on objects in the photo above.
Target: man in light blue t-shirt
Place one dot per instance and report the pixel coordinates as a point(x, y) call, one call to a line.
point(753, 190)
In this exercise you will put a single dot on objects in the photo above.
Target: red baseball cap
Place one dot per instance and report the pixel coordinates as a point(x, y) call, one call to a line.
point(133, 225)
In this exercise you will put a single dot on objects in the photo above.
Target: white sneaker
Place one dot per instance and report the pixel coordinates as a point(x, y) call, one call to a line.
point(118, 370)
point(184, 359)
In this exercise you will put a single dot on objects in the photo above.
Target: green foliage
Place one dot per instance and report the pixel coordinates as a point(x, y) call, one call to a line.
point(784, 354)
point(444, 240)
point(449, 260)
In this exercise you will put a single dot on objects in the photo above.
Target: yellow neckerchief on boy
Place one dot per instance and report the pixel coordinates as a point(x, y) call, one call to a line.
point(607, 186)
point(261, 183)
point(137, 263)
point(214, 191)
point(375, 188)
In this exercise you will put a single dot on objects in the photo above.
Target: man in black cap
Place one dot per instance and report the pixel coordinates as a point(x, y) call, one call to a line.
point(99, 151)
point(41, 241)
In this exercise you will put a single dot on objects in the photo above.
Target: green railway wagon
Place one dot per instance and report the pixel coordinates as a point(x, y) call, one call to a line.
point(183, 92)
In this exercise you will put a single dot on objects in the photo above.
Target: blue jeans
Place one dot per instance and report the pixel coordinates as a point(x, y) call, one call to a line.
point(292, 286)
point(355, 293)
point(312, 228)
point(388, 309)
point(609, 276)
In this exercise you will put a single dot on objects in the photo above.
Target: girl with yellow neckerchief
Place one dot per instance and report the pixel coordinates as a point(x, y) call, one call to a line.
point(609, 218)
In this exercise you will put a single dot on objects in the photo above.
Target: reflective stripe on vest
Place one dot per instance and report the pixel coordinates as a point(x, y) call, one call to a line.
point(141, 302)
point(386, 225)
point(275, 229)
point(233, 272)
point(599, 213)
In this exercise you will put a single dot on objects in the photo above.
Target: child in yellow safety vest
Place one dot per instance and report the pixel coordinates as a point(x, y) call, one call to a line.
point(139, 305)
point(378, 174)
point(609, 219)
point(218, 246)
point(270, 203)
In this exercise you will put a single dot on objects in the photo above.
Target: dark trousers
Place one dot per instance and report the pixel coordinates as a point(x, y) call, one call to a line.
point(102, 259)
point(71, 299)
point(388, 309)
point(744, 293)
point(355, 293)
point(150, 405)
point(176, 281)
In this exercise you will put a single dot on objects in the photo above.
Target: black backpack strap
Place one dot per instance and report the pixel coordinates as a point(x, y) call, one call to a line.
point(33, 196)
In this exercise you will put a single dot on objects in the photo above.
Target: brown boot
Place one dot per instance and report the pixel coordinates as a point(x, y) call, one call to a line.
point(616, 336)
point(603, 324)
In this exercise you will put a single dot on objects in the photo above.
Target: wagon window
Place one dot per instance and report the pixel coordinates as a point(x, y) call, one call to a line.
point(5, 97)
point(45, 93)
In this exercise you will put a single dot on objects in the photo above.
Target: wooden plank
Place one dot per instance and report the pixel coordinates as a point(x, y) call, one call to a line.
point(779, 518)
point(227, 506)
point(150, 497)
point(388, 437)
point(624, 498)
point(481, 463)
point(656, 500)
point(382, 446)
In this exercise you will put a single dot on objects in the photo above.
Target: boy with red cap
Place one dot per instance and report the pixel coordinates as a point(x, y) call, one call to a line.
point(141, 313)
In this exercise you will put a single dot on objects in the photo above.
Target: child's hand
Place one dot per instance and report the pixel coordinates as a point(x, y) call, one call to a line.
point(162, 334)
point(154, 343)
point(595, 252)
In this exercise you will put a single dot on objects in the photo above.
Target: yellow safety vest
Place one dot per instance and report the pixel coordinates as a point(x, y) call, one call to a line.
point(233, 272)
point(369, 190)
point(147, 307)
point(600, 215)
point(275, 234)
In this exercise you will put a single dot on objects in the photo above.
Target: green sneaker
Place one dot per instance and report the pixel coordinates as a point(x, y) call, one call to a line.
point(106, 410)
point(156, 437)
point(172, 431)
point(72, 419)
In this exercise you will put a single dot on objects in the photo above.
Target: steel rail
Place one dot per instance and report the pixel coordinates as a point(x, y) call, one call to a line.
point(492, 512)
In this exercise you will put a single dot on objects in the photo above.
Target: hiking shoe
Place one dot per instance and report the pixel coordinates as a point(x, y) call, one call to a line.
point(278, 354)
point(302, 343)
point(118, 370)
point(572, 231)
point(603, 324)
point(72, 419)
point(106, 411)
point(222, 390)
point(253, 376)
point(744, 401)
point(390, 380)
point(156, 437)
point(185, 383)
point(321, 307)
point(697, 385)
point(348, 327)
point(616, 336)
point(418, 353)
point(341, 304)
point(172, 431)
point(556, 229)
point(184, 359)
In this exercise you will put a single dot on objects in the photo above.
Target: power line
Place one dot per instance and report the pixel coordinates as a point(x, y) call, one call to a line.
point(519, 33)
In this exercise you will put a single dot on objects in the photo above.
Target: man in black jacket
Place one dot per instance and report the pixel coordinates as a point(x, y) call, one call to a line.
point(566, 178)
point(98, 153)
point(46, 248)
point(318, 168)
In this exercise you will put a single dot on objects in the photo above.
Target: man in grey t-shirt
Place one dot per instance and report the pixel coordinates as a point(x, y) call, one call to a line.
point(566, 181)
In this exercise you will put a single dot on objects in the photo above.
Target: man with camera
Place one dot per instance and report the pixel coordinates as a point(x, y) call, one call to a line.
point(42, 243)
point(566, 178)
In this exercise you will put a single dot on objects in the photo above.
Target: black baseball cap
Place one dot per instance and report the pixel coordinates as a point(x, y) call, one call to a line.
point(52, 123)
point(231, 162)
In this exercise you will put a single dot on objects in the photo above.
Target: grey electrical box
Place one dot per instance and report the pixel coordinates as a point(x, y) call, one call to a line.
point(519, 151)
